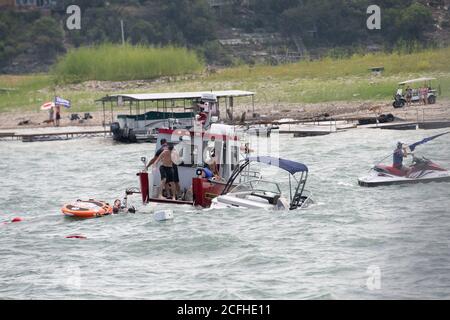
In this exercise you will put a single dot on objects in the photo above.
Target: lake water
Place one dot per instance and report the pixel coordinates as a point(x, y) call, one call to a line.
point(383, 243)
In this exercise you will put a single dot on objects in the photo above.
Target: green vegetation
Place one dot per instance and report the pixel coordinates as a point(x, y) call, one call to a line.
point(118, 63)
point(338, 22)
point(304, 82)
point(356, 65)
point(31, 34)
point(33, 41)
point(24, 92)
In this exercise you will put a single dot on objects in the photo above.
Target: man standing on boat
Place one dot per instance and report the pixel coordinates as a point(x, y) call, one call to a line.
point(164, 146)
point(167, 172)
point(163, 171)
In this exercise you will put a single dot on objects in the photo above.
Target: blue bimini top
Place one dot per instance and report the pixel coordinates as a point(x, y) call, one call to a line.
point(290, 166)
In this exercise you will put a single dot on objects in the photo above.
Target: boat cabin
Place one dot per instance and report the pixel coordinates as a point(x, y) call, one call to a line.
point(141, 115)
point(218, 149)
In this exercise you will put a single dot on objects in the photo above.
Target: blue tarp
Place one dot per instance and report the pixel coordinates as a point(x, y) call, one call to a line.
point(290, 166)
point(414, 145)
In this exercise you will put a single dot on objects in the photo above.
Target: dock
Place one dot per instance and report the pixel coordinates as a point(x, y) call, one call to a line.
point(408, 125)
point(29, 136)
point(313, 129)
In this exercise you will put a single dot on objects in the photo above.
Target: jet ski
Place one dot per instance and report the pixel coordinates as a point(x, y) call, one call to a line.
point(256, 193)
point(422, 170)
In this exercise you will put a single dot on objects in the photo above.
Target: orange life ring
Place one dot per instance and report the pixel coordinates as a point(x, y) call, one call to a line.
point(87, 209)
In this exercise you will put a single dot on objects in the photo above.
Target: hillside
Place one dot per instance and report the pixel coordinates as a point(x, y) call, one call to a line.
point(224, 32)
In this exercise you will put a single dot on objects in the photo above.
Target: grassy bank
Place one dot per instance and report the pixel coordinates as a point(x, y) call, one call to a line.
point(437, 60)
point(304, 82)
point(120, 63)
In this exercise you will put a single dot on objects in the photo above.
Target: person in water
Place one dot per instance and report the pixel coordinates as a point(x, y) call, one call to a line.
point(120, 207)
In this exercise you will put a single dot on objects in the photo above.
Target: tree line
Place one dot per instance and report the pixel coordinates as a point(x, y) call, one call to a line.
point(194, 24)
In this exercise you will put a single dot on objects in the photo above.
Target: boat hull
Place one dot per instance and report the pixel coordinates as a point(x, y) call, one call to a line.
point(375, 181)
point(229, 201)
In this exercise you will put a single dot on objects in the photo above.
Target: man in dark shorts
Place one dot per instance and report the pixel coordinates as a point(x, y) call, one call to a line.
point(57, 115)
point(167, 172)
point(163, 147)
point(164, 182)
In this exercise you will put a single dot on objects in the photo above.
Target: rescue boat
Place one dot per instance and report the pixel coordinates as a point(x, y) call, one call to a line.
point(87, 209)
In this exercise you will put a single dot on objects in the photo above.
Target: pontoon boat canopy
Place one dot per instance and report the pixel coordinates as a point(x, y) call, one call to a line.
point(290, 166)
point(416, 80)
point(175, 95)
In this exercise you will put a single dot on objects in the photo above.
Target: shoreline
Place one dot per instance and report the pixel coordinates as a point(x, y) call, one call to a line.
point(9, 120)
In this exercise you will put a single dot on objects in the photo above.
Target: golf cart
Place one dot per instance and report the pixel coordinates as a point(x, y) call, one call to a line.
point(415, 84)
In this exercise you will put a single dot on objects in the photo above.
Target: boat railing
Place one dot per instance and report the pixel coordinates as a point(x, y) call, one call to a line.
point(297, 197)
point(307, 198)
point(253, 186)
point(248, 175)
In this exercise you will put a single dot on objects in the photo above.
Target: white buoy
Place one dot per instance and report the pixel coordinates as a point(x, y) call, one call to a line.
point(163, 215)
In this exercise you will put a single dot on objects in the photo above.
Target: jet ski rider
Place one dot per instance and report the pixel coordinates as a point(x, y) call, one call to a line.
point(399, 154)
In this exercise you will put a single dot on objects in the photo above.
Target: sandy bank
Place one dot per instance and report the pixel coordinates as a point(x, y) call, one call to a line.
point(439, 111)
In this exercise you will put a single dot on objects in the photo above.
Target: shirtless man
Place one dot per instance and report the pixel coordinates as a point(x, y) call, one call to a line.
point(167, 172)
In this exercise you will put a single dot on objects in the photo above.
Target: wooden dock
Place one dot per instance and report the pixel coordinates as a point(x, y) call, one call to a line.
point(311, 129)
point(408, 125)
point(53, 136)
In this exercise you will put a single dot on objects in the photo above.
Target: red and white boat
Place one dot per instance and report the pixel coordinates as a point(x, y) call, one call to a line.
point(194, 147)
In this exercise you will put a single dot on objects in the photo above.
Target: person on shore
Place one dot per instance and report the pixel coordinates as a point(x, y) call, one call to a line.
point(57, 115)
point(51, 115)
point(408, 96)
point(424, 95)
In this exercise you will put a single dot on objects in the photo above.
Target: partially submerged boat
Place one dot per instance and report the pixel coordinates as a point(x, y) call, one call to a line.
point(194, 148)
point(422, 170)
point(263, 194)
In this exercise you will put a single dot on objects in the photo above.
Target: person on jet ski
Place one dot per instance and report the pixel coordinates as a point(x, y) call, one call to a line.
point(399, 154)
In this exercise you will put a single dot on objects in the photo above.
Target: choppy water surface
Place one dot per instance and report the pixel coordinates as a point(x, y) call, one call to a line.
point(334, 250)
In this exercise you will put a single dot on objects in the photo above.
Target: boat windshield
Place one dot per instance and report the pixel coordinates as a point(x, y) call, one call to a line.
point(258, 185)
